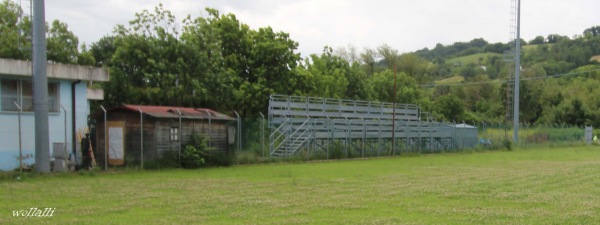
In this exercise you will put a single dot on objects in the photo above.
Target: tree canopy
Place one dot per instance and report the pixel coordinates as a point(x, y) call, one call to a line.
point(219, 62)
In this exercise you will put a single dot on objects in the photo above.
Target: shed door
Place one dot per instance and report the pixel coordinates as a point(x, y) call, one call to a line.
point(116, 143)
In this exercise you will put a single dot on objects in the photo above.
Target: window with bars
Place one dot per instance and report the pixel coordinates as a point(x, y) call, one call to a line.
point(21, 92)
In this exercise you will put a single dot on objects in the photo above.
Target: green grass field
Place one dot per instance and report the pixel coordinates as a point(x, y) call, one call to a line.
point(534, 186)
point(451, 80)
point(474, 58)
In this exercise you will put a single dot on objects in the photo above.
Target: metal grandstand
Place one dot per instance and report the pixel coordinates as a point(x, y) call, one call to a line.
point(300, 123)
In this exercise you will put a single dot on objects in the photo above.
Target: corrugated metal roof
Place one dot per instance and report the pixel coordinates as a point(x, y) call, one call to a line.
point(172, 112)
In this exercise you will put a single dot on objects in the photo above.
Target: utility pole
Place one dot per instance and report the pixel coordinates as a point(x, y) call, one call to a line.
point(517, 73)
point(40, 89)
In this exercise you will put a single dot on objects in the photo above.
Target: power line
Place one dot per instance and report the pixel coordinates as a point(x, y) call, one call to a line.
point(505, 81)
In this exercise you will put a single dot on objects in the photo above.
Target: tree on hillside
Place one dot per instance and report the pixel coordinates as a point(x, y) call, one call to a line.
point(592, 31)
point(555, 38)
point(414, 66)
point(389, 55)
point(538, 40)
point(348, 53)
point(369, 57)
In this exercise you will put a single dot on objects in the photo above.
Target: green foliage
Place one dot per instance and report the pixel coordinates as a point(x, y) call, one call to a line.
point(195, 152)
point(382, 87)
point(15, 38)
point(336, 151)
point(450, 107)
point(15, 42)
point(62, 44)
point(192, 157)
point(219, 62)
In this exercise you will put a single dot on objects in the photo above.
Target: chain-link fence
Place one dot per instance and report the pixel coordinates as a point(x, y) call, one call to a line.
point(257, 146)
point(260, 140)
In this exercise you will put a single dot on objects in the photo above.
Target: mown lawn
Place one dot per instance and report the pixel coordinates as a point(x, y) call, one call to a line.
point(533, 186)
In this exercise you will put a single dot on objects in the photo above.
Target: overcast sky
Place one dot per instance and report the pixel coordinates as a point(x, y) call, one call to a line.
point(406, 25)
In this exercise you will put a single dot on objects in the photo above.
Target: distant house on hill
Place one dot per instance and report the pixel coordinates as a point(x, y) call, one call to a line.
point(162, 131)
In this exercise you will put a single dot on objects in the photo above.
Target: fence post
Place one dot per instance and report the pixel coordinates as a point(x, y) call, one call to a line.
point(210, 128)
point(65, 145)
point(20, 145)
point(180, 136)
point(262, 133)
point(239, 134)
point(105, 140)
point(141, 137)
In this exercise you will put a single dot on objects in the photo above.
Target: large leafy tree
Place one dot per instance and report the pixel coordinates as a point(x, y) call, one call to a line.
point(15, 33)
point(382, 87)
point(15, 37)
point(271, 69)
point(326, 74)
point(450, 107)
point(62, 44)
point(148, 66)
point(414, 66)
point(368, 58)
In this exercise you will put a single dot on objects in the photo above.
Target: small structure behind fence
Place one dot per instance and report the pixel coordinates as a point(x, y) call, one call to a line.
point(164, 128)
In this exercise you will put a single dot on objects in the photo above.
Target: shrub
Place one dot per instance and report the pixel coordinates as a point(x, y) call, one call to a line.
point(191, 157)
point(195, 152)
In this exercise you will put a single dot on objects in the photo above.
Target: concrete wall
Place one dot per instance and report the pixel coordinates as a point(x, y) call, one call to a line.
point(9, 136)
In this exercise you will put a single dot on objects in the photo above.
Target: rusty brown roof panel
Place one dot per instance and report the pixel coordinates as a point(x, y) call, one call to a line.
point(171, 112)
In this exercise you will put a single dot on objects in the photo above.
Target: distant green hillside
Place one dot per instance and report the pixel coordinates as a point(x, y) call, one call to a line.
point(451, 80)
point(529, 47)
point(474, 58)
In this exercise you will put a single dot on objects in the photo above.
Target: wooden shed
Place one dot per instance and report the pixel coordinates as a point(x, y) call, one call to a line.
point(164, 129)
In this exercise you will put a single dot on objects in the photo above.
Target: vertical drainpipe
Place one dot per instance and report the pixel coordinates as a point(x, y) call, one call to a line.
point(73, 127)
